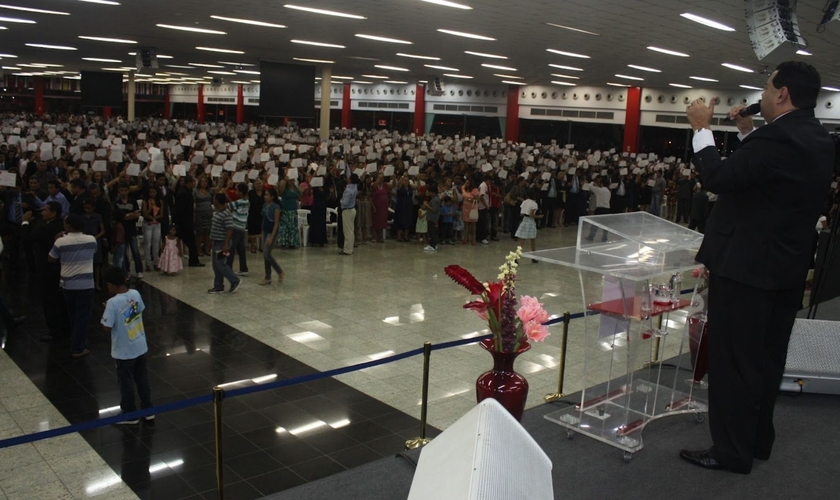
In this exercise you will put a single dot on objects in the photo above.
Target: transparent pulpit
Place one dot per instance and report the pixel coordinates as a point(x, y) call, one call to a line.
point(632, 269)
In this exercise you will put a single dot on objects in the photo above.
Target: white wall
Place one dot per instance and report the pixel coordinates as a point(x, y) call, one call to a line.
point(559, 97)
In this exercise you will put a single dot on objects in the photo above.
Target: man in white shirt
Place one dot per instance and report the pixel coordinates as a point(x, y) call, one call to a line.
point(602, 205)
point(483, 229)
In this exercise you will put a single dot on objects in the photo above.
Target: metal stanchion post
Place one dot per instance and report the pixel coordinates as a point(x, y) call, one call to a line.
point(218, 397)
point(415, 443)
point(562, 364)
point(656, 342)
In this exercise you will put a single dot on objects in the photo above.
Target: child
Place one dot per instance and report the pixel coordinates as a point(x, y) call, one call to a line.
point(170, 255)
point(123, 319)
point(221, 231)
point(422, 227)
point(528, 227)
point(447, 212)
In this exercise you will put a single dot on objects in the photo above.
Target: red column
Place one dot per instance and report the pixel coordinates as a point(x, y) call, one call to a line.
point(632, 120)
point(200, 107)
point(39, 95)
point(166, 103)
point(420, 109)
point(512, 119)
point(240, 105)
point(345, 107)
point(106, 111)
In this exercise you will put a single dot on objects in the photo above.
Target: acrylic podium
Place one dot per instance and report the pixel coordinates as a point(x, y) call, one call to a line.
point(625, 264)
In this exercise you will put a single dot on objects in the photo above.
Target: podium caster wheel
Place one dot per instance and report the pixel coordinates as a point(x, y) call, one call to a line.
point(627, 457)
point(570, 434)
point(699, 418)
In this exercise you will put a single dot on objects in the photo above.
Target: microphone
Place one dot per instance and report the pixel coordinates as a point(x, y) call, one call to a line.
point(752, 109)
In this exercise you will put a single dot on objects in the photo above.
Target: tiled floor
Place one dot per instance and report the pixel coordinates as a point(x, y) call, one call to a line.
point(331, 311)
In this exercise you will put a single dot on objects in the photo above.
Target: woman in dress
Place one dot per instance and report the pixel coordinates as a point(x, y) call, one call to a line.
point(363, 212)
point(203, 215)
point(469, 207)
point(288, 235)
point(152, 215)
point(270, 225)
point(403, 214)
point(318, 217)
point(170, 258)
point(380, 200)
point(255, 205)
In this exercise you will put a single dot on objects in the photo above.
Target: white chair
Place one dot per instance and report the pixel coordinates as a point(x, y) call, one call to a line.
point(303, 226)
point(332, 226)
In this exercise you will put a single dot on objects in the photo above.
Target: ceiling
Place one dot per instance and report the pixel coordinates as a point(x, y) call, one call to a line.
point(624, 27)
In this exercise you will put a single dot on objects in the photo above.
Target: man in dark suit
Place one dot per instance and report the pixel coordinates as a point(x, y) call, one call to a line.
point(757, 248)
point(184, 218)
point(41, 235)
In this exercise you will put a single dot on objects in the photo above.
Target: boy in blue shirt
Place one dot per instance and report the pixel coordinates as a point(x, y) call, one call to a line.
point(447, 212)
point(123, 319)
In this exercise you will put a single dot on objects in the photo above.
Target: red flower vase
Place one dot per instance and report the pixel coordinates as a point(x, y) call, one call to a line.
point(502, 383)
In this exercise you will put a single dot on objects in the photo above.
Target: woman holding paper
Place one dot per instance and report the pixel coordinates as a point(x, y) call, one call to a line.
point(469, 211)
point(152, 215)
point(288, 235)
point(380, 200)
point(404, 212)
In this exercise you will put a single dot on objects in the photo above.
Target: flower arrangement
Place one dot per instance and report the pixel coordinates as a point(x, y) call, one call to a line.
point(497, 306)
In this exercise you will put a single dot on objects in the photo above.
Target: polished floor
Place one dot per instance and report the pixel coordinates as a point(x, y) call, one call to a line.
point(331, 311)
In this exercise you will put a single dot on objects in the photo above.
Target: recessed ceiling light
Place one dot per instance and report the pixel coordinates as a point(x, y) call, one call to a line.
point(231, 73)
point(508, 76)
point(224, 51)
point(361, 82)
point(572, 29)
point(443, 68)
point(669, 52)
point(396, 82)
point(512, 82)
point(569, 84)
point(106, 39)
point(458, 76)
point(378, 77)
point(248, 21)
point(16, 20)
point(72, 77)
point(40, 65)
point(503, 68)
point(804, 52)
point(570, 68)
point(255, 81)
point(342, 77)
point(99, 59)
point(47, 46)
point(8, 55)
point(37, 11)
point(644, 68)
point(831, 89)
point(707, 22)
point(628, 77)
point(3, 28)
point(414, 56)
point(737, 68)
point(119, 69)
point(680, 85)
point(391, 68)
point(565, 76)
point(246, 72)
point(446, 3)
point(319, 61)
point(101, 2)
point(750, 87)
point(200, 65)
point(324, 12)
point(568, 54)
point(183, 67)
point(617, 84)
point(702, 79)
point(383, 39)
point(173, 73)
point(467, 35)
point(422, 81)
point(318, 44)
point(11, 68)
point(234, 63)
point(483, 54)
point(192, 29)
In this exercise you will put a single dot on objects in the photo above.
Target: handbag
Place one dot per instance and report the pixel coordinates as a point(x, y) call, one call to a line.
point(473, 214)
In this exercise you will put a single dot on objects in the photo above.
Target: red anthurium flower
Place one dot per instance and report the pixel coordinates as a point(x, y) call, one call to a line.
point(494, 296)
point(465, 279)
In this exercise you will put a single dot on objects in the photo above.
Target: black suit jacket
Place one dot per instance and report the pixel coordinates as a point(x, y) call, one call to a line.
point(41, 235)
point(770, 191)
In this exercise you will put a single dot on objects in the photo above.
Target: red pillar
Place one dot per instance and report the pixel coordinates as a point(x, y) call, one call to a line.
point(345, 107)
point(512, 119)
point(39, 95)
point(240, 105)
point(632, 120)
point(106, 111)
point(200, 107)
point(166, 103)
point(420, 109)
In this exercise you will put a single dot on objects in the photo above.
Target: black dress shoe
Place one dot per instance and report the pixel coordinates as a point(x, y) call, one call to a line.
point(703, 458)
point(196, 264)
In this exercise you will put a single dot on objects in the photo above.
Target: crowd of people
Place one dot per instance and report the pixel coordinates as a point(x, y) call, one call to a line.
point(222, 190)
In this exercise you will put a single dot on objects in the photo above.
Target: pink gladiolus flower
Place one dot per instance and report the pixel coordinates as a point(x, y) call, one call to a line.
point(696, 273)
point(535, 331)
point(532, 310)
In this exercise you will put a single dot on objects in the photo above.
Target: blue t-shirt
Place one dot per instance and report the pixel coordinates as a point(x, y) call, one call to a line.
point(124, 315)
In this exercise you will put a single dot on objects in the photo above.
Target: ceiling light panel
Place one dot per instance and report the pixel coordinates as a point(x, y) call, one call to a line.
point(390, 68)
point(36, 11)
point(565, 76)
point(465, 77)
point(667, 51)
point(107, 39)
point(804, 52)
point(191, 29)
point(396, 82)
point(324, 12)
point(415, 56)
point(706, 22)
point(513, 82)
point(628, 77)
point(446, 3)
point(4, 19)
point(318, 44)
point(248, 21)
point(376, 77)
point(568, 54)
point(572, 29)
point(644, 68)
point(49, 46)
point(318, 61)
point(233, 63)
point(200, 65)
point(702, 79)
point(467, 35)
point(569, 68)
point(680, 85)
point(99, 59)
point(383, 39)
point(223, 51)
point(101, 2)
point(503, 68)
point(442, 68)
point(831, 89)
point(361, 82)
point(750, 87)
point(514, 77)
point(568, 84)
point(617, 84)
point(246, 72)
point(8, 55)
point(483, 54)
point(737, 68)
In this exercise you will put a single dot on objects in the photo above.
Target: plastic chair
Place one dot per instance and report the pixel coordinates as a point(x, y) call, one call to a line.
point(303, 225)
point(332, 226)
